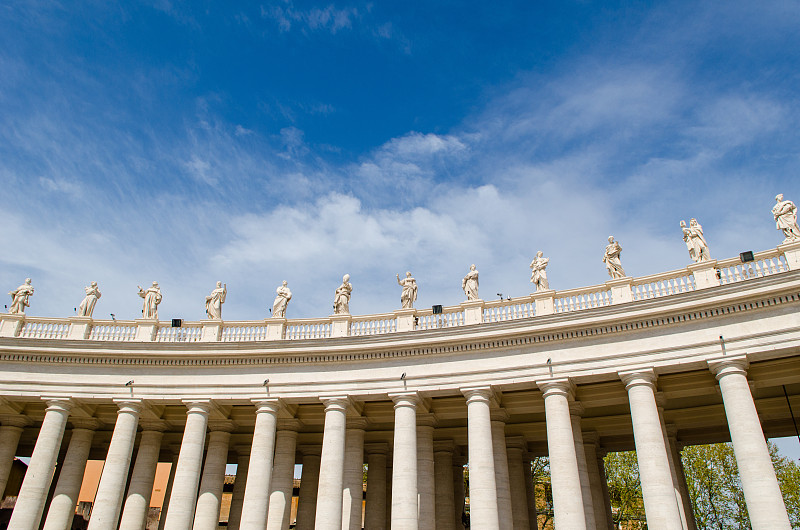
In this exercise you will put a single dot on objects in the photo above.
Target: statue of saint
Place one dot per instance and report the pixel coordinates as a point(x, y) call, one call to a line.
point(215, 300)
point(611, 257)
point(409, 294)
point(19, 297)
point(695, 241)
point(152, 297)
point(470, 284)
point(785, 214)
point(281, 301)
point(341, 299)
point(539, 273)
point(87, 304)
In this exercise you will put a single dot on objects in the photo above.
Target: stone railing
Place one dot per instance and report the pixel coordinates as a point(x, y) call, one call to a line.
point(703, 275)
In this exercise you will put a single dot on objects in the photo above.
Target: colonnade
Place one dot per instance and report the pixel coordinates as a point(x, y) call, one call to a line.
point(414, 483)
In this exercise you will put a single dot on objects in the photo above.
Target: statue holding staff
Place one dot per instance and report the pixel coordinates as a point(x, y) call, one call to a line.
point(215, 300)
point(87, 304)
point(611, 257)
point(152, 297)
point(539, 273)
point(281, 301)
point(20, 297)
point(409, 294)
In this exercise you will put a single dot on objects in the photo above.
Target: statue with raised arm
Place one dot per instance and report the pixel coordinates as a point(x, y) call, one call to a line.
point(341, 299)
point(409, 294)
point(20, 297)
point(611, 257)
point(215, 300)
point(281, 301)
point(470, 284)
point(87, 304)
point(695, 241)
point(152, 297)
point(785, 214)
point(539, 273)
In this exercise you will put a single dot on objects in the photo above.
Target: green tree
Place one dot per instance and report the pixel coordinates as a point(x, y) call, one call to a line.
point(625, 490)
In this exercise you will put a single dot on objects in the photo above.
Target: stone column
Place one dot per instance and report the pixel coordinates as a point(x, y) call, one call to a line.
point(206, 515)
point(280, 499)
point(237, 496)
point(515, 449)
point(187, 473)
point(530, 492)
point(600, 509)
point(576, 410)
point(65, 497)
point(331, 470)
point(426, 507)
point(660, 505)
point(759, 484)
point(259, 473)
point(565, 475)
point(10, 433)
point(601, 466)
point(679, 477)
point(504, 509)
point(375, 516)
point(672, 470)
point(162, 517)
point(309, 486)
point(404, 467)
point(353, 481)
point(444, 494)
point(111, 490)
point(459, 491)
point(388, 522)
point(30, 502)
point(137, 503)
point(482, 479)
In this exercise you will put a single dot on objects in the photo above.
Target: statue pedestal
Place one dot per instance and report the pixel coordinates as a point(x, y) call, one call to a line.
point(212, 331)
point(11, 324)
point(473, 312)
point(405, 318)
point(340, 325)
point(146, 329)
point(543, 302)
point(791, 252)
point(79, 328)
point(275, 328)
point(621, 291)
point(705, 274)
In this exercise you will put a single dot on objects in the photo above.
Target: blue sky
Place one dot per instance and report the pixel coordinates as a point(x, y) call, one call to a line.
point(190, 142)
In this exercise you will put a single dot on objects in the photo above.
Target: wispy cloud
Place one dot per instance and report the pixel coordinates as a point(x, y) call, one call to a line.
point(329, 18)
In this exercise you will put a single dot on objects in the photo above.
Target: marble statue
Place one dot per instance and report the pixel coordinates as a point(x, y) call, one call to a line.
point(152, 297)
point(409, 294)
point(215, 300)
point(785, 214)
point(695, 241)
point(470, 284)
point(341, 300)
point(281, 301)
point(539, 273)
point(87, 304)
point(20, 296)
point(611, 257)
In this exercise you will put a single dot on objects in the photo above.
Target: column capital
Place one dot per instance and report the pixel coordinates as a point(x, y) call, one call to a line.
point(153, 425)
point(444, 446)
point(643, 376)
point(356, 423)
point(426, 419)
point(516, 443)
point(405, 399)
point(15, 420)
point(340, 403)
point(376, 448)
point(735, 364)
point(591, 438)
point(219, 435)
point(266, 405)
point(59, 403)
point(498, 414)
point(478, 393)
point(242, 450)
point(562, 385)
point(289, 424)
point(128, 405)
point(576, 408)
point(200, 406)
point(221, 426)
point(310, 450)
